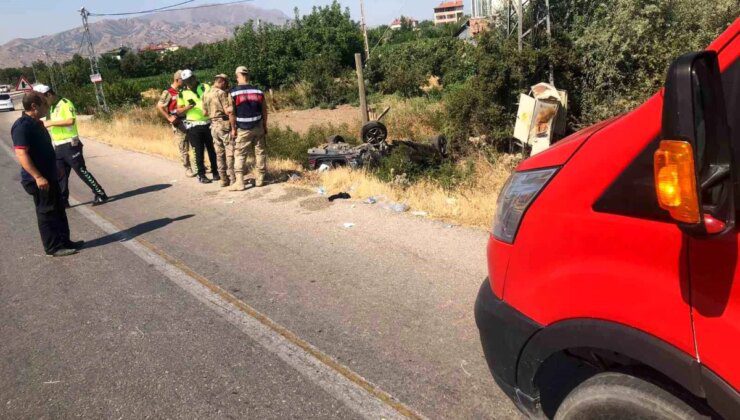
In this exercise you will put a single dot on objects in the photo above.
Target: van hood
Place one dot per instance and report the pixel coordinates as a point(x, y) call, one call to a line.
point(561, 152)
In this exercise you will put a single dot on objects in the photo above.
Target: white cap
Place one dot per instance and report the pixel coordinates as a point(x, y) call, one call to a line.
point(186, 74)
point(41, 88)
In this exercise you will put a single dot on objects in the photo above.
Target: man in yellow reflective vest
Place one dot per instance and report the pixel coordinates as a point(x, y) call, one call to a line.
point(197, 124)
point(62, 125)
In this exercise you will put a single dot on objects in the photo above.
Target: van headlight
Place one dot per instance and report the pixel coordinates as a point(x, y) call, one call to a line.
point(517, 195)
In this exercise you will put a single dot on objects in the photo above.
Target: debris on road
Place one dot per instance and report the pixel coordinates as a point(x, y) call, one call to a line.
point(420, 213)
point(370, 200)
point(397, 207)
point(349, 225)
point(340, 196)
point(321, 190)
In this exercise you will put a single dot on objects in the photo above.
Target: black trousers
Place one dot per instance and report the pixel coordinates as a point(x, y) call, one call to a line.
point(70, 157)
point(200, 140)
point(51, 216)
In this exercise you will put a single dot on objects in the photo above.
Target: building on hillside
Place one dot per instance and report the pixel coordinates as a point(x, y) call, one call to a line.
point(398, 23)
point(448, 12)
point(473, 27)
point(483, 8)
point(117, 53)
point(162, 47)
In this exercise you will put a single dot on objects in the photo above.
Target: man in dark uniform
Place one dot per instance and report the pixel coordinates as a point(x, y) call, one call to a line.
point(35, 153)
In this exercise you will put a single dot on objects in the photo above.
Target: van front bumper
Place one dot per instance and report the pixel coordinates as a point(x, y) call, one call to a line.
point(503, 333)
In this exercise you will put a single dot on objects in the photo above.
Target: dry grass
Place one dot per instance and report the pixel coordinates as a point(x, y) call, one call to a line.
point(471, 205)
point(135, 130)
point(138, 130)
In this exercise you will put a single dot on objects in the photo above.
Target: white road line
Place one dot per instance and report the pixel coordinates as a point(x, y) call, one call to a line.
point(351, 393)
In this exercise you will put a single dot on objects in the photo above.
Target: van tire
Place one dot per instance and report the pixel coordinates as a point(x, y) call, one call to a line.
point(614, 395)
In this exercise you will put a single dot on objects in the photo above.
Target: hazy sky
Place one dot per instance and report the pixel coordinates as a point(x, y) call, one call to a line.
point(28, 19)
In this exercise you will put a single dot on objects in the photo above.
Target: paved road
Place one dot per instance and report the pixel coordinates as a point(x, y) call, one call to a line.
point(195, 302)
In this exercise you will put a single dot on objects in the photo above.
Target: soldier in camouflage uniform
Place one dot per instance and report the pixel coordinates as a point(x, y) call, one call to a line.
point(167, 106)
point(249, 128)
point(218, 106)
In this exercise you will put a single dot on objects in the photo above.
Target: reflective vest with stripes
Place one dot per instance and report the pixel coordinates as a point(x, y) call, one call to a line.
point(63, 110)
point(195, 113)
point(248, 103)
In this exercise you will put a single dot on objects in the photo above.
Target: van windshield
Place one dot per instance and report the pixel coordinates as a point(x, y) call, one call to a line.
point(4, 97)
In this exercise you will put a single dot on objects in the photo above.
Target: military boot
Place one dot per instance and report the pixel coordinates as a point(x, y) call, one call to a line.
point(238, 183)
point(260, 180)
point(224, 180)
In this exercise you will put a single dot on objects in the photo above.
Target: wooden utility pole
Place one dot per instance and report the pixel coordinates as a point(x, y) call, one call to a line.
point(361, 83)
point(364, 30)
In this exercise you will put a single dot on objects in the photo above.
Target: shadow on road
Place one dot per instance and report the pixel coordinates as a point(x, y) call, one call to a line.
point(132, 193)
point(134, 231)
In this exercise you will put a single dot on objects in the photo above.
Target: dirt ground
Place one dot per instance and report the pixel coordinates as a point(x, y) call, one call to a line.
point(300, 121)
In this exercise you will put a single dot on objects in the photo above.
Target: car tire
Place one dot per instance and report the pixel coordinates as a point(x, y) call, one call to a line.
point(614, 395)
point(440, 144)
point(374, 132)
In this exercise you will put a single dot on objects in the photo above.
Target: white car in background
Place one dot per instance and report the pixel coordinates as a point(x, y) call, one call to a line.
point(6, 104)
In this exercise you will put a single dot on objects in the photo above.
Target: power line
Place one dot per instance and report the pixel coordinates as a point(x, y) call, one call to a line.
point(167, 9)
point(141, 12)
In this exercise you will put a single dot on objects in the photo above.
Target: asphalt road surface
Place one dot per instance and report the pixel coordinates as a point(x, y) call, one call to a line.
point(194, 302)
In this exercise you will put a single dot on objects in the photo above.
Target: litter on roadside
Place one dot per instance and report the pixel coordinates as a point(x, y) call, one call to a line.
point(321, 190)
point(420, 213)
point(370, 200)
point(397, 207)
point(229, 202)
point(294, 177)
point(348, 225)
point(340, 196)
point(324, 168)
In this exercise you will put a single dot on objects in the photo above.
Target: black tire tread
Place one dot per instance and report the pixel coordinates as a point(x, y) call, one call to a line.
point(600, 395)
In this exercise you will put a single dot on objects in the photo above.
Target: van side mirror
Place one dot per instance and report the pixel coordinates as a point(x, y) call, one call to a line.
point(694, 168)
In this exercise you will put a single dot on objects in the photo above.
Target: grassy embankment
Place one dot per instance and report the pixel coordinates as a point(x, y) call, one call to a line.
point(463, 192)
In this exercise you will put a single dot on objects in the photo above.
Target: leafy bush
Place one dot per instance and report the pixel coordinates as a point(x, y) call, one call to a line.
point(403, 68)
point(122, 93)
point(628, 45)
point(286, 143)
point(401, 169)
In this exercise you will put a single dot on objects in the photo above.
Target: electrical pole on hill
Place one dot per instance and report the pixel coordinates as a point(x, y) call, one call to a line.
point(95, 77)
point(364, 30)
point(50, 68)
point(540, 14)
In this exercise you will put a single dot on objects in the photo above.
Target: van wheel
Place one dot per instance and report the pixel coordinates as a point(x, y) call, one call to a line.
point(613, 395)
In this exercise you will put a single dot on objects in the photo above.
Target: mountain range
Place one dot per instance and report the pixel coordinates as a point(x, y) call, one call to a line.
point(182, 27)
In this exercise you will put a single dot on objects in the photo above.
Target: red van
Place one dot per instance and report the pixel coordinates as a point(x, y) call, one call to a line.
point(614, 265)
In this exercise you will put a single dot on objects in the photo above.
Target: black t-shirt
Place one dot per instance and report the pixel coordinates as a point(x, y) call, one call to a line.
point(31, 135)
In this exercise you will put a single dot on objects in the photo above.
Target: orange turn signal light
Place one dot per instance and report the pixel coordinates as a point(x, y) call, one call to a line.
point(675, 180)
